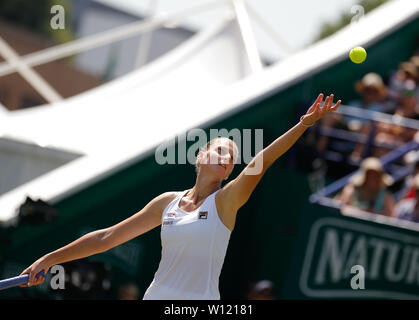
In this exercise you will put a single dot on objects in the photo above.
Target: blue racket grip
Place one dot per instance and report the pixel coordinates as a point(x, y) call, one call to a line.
point(17, 281)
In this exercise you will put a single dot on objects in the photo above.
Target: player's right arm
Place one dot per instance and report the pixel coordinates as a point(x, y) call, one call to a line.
point(102, 240)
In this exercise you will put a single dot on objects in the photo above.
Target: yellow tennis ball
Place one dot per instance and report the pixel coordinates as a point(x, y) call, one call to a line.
point(358, 55)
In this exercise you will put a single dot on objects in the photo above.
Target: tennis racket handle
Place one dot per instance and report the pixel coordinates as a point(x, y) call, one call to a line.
point(17, 281)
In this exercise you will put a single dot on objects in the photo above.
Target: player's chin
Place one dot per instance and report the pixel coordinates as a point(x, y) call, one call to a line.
point(218, 171)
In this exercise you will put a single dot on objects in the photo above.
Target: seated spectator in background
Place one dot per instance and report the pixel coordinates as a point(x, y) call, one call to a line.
point(408, 209)
point(128, 291)
point(407, 107)
point(410, 183)
point(407, 71)
point(407, 100)
point(409, 189)
point(373, 94)
point(415, 61)
point(367, 189)
point(262, 290)
point(392, 133)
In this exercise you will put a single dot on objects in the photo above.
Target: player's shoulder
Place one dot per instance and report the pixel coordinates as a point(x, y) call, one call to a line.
point(170, 195)
point(165, 198)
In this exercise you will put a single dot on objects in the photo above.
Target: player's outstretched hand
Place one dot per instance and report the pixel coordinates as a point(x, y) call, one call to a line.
point(316, 111)
point(33, 270)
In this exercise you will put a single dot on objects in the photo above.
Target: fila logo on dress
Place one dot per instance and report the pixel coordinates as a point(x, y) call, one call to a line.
point(203, 214)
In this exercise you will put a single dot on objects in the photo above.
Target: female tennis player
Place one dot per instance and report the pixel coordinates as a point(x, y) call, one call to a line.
point(196, 223)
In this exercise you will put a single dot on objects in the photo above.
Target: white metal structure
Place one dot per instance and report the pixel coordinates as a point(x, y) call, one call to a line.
point(215, 73)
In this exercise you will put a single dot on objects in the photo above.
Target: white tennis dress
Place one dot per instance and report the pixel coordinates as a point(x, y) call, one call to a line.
point(194, 245)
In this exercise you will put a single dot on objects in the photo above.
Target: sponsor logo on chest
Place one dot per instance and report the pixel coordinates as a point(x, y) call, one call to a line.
point(172, 218)
point(202, 214)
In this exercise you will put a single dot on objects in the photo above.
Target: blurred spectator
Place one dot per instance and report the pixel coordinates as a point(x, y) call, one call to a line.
point(391, 133)
point(128, 291)
point(407, 100)
point(409, 189)
point(408, 209)
point(407, 71)
point(407, 107)
point(262, 290)
point(367, 189)
point(415, 61)
point(373, 94)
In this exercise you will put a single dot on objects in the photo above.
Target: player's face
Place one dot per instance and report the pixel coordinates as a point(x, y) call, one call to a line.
point(219, 158)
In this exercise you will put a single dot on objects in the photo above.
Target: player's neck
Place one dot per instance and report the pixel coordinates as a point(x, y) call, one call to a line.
point(203, 188)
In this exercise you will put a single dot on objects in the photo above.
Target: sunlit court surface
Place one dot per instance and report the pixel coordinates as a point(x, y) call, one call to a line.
point(209, 154)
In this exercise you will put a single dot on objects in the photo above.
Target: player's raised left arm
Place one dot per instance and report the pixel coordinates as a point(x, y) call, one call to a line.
point(239, 190)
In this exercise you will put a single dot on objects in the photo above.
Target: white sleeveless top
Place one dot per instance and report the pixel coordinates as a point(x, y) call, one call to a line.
point(194, 245)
